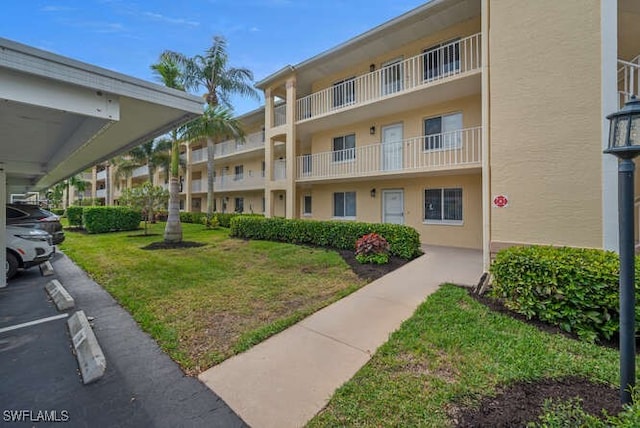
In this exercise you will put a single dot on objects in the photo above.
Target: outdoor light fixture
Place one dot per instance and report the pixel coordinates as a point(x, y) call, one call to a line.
point(372, 130)
point(624, 142)
point(372, 67)
point(373, 193)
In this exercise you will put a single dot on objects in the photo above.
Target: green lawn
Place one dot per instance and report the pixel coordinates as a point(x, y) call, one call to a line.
point(204, 304)
point(450, 353)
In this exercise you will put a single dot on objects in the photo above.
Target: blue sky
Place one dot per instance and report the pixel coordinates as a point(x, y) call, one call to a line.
point(128, 35)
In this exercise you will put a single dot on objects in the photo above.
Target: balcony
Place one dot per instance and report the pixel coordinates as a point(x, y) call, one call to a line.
point(279, 115)
point(228, 148)
point(102, 175)
point(140, 171)
point(229, 184)
point(451, 150)
point(101, 193)
point(199, 155)
point(628, 79)
point(280, 169)
point(433, 67)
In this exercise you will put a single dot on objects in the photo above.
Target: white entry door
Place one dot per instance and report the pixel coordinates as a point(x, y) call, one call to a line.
point(393, 206)
point(392, 147)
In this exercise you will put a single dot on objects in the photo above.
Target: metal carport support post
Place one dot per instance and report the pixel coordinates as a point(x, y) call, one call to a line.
point(3, 222)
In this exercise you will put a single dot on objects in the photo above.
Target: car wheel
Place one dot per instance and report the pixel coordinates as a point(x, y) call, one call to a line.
point(12, 265)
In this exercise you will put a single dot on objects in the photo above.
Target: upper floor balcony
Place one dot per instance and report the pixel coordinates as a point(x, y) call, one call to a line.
point(101, 175)
point(434, 66)
point(628, 79)
point(435, 152)
point(101, 193)
point(230, 183)
point(252, 142)
point(140, 171)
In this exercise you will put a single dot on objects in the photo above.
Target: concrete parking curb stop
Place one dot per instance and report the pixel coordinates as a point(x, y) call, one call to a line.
point(46, 269)
point(61, 297)
point(90, 358)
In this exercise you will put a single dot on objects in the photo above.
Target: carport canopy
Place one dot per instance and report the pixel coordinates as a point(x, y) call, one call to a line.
point(59, 116)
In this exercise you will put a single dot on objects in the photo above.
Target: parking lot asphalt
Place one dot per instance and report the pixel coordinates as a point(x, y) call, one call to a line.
point(39, 376)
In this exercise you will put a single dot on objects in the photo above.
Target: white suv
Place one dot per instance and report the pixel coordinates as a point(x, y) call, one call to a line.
point(26, 247)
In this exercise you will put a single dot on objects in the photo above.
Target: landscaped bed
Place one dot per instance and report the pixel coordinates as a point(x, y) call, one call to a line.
point(457, 362)
point(204, 304)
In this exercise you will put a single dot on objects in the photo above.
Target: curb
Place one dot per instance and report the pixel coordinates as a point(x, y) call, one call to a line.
point(46, 269)
point(90, 358)
point(59, 295)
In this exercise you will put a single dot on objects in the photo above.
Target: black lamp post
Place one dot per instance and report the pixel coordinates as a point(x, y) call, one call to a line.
point(624, 142)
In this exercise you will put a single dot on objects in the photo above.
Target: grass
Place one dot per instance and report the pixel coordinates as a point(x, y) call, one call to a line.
point(452, 352)
point(203, 305)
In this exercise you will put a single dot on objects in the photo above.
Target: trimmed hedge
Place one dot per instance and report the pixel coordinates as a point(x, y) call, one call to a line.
point(224, 219)
point(573, 288)
point(57, 211)
point(110, 219)
point(74, 215)
point(404, 241)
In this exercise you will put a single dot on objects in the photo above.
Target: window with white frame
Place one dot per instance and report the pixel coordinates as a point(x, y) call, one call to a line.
point(344, 92)
point(443, 205)
point(344, 148)
point(239, 172)
point(443, 132)
point(442, 59)
point(306, 205)
point(344, 204)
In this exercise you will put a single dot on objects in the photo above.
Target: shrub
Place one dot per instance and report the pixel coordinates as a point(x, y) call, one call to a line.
point(57, 211)
point(109, 219)
point(74, 215)
point(574, 288)
point(404, 241)
point(372, 248)
point(224, 219)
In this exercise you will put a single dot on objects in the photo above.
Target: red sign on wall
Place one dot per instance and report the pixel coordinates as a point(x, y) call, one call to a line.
point(500, 201)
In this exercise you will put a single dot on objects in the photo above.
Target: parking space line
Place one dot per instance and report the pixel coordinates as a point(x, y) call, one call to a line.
point(34, 322)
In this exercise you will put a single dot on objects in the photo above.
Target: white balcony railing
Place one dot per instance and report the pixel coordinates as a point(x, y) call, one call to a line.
point(251, 142)
point(280, 169)
point(628, 79)
point(199, 155)
point(431, 67)
point(229, 184)
point(101, 193)
point(280, 115)
point(432, 152)
point(140, 171)
point(102, 175)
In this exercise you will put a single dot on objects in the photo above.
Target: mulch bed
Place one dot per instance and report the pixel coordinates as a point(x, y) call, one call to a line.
point(522, 402)
point(161, 245)
point(369, 271)
point(142, 235)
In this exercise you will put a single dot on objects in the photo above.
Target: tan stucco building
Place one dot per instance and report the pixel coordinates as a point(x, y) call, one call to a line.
point(480, 123)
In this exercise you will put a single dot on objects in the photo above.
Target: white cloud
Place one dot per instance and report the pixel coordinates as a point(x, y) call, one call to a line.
point(53, 8)
point(167, 19)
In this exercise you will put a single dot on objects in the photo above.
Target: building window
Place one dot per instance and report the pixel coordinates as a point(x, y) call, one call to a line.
point(392, 76)
point(344, 92)
point(344, 148)
point(306, 205)
point(442, 59)
point(344, 204)
point(443, 132)
point(239, 205)
point(443, 206)
point(239, 172)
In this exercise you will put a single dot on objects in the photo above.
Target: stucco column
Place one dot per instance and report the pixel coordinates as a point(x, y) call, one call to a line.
point(486, 152)
point(268, 152)
point(94, 182)
point(187, 181)
point(290, 202)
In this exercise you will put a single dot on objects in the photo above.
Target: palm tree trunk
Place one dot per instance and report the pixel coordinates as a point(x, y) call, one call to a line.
point(210, 178)
point(68, 190)
point(173, 228)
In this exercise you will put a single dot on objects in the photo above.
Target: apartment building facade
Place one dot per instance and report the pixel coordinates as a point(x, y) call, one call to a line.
point(480, 123)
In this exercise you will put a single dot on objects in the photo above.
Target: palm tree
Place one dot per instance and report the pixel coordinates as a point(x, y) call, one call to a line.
point(153, 154)
point(216, 124)
point(169, 72)
point(77, 183)
point(212, 73)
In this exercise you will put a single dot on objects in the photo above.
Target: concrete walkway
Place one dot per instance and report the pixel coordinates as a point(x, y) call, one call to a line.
point(285, 380)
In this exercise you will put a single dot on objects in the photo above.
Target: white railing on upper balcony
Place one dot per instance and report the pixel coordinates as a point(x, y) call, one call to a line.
point(140, 171)
point(280, 169)
point(251, 142)
point(101, 175)
point(431, 152)
point(229, 183)
point(198, 155)
point(280, 115)
point(101, 193)
point(628, 79)
point(430, 67)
